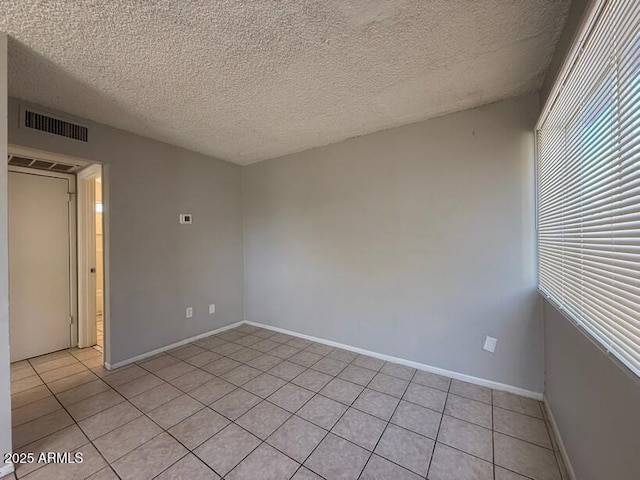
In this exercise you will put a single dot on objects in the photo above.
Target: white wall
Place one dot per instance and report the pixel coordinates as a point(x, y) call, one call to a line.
point(158, 267)
point(414, 242)
point(5, 385)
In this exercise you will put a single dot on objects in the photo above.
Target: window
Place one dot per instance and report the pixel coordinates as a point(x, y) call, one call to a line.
point(588, 183)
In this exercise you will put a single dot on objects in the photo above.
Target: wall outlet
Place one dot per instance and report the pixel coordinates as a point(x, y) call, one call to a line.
point(490, 344)
point(212, 308)
point(186, 219)
point(189, 312)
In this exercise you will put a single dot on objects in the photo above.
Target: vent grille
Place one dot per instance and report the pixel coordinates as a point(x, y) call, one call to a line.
point(56, 126)
point(42, 164)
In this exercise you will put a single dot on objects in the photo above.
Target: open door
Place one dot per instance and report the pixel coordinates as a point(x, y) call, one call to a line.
point(90, 261)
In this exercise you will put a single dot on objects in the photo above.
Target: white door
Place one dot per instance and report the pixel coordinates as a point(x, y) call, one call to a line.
point(39, 267)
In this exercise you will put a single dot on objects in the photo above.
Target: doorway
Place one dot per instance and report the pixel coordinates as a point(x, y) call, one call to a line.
point(58, 293)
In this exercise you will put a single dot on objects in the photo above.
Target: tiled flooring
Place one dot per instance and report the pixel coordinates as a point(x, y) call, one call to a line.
point(253, 404)
point(99, 332)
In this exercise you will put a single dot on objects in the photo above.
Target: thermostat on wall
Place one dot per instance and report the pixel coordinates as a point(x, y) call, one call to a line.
point(186, 218)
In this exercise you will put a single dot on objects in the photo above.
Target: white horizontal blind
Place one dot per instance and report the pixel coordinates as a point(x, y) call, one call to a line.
point(588, 181)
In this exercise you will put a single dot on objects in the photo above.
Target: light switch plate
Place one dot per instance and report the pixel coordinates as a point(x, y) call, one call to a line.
point(189, 312)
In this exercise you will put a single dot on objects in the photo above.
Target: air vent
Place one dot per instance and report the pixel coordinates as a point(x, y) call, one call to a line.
point(17, 161)
point(56, 126)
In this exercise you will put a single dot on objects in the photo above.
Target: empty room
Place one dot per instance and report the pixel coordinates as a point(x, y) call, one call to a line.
point(320, 240)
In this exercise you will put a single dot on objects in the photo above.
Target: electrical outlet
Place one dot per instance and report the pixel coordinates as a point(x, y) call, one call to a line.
point(186, 219)
point(212, 308)
point(490, 344)
point(189, 312)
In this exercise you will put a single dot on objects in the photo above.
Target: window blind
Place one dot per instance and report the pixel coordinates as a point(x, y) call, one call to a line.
point(588, 184)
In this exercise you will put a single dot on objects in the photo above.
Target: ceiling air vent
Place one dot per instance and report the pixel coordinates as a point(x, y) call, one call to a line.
point(54, 125)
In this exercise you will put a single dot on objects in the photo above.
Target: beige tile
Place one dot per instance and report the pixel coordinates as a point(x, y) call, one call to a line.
point(336, 458)
point(86, 353)
point(235, 404)
point(521, 426)
point(297, 438)
point(49, 357)
point(322, 411)
point(268, 461)
point(396, 370)
point(341, 391)
point(517, 403)
point(150, 459)
point(389, 384)
point(330, 366)
point(202, 358)
point(360, 428)
point(241, 375)
point(158, 362)
point(227, 448)
point(525, 458)
point(361, 376)
point(376, 403)
point(108, 419)
point(174, 371)
point(468, 390)
point(31, 395)
point(155, 397)
point(504, 474)
point(379, 468)
point(34, 430)
point(192, 380)
point(221, 366)
point(417, 419)
point(312, 380)
point(432, 380)
point(34, 410)
point(126, 438)
point(245, 355)
point(451, 464)
point(92, 462)
point(343, 355)
point(287, 370)
point(66, 440)
point(186, 351)
point(425, 397)
point(92, 405)
point(26, 383)
point(198, 428)
point(62, 372)
point(82, 392)
point(174, 411)
point(105, 474)
point(264, 385)
point(72, 381)
point(291, 397)
point(188, 468)
point(263, 419)
point(408, 449)
point(20, 370)
point(469, 410)
point(212, 391)
point(369, 362)
point(139, 385)
point(63, 361)
point(93, 362)
point(264, 362)
point(468, 437)
point(124, 375)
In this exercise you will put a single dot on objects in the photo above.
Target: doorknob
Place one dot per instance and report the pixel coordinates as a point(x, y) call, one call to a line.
point(93, 270)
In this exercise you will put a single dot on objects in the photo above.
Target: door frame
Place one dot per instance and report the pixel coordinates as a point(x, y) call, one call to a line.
point(106, 311)
point(72, 261)
point(87, 307)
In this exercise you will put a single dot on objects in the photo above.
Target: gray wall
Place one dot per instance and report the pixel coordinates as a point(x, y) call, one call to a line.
point(5, 385)
point(596, 402)
point(158, 267)
point(414, 242)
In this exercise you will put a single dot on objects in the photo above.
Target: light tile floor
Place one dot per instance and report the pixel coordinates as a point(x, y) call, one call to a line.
point(253, 404)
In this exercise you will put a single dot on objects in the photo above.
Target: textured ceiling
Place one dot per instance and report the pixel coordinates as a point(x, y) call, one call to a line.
point(249, 80)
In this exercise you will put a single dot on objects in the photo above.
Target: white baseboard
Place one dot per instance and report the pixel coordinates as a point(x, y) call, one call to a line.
point(420, 366)
point(6, 469)
point(142, 356)
point(556, 432)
